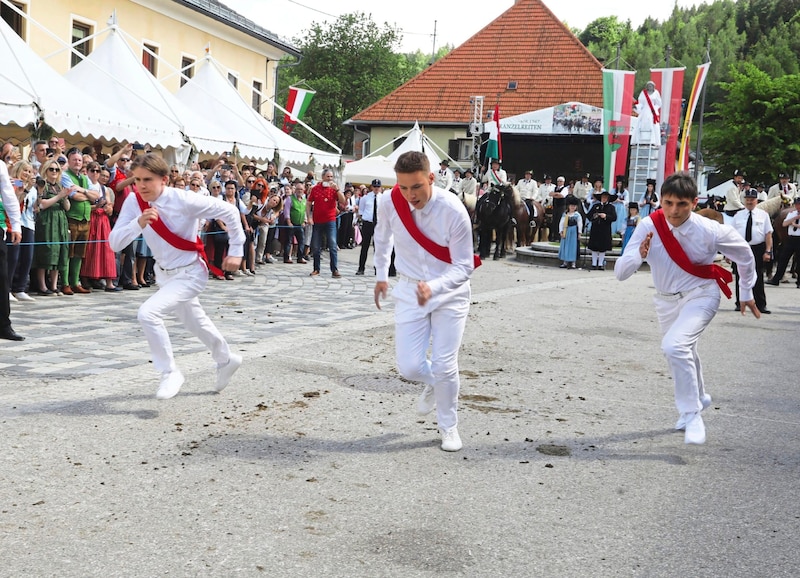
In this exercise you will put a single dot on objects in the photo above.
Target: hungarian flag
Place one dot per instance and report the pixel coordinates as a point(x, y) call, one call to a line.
point(669, 82)
point(296, 104)
point(617, 106)
point(691, 106)
point(494, 148)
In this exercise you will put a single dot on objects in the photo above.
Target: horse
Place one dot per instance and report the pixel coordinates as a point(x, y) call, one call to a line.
point(493, 213)
point(527, 225)
point(469, 201)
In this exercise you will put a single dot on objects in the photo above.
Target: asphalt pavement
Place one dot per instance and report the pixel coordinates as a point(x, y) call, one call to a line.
point(314, 463)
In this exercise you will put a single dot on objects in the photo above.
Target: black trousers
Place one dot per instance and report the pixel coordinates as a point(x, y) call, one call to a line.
point(759, 294)
point(790, 247)
point(5, 306)
point(367, 231)
point(345, 232)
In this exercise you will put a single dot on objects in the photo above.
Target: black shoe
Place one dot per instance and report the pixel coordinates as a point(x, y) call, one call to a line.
point(113, 289)
point(130, 287)
point(10, 334)
point(736, 307)
point(765, 311)
point(360, 272)
point(772, 282)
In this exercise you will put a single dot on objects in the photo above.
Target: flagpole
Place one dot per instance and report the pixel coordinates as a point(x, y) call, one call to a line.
point(698, 154)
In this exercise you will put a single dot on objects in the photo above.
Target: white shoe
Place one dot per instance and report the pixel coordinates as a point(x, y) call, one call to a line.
point(22, 296)
point(427, 401)
point(705, 401)
point(171, 383)
point(695, 429)
point(451, 441)
point(11, 297)
point(225, 372)
point(247, 273)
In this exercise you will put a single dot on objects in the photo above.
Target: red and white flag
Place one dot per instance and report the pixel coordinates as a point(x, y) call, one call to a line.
point(617, 104)
point(669, 82)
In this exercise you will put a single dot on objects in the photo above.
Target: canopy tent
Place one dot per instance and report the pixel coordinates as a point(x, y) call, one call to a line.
point(32, 92)
point(375, 166)
point(210, 90)
point(114, 66)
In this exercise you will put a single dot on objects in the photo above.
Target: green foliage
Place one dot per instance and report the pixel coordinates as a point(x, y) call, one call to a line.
point(755, 126)
point(351, 64)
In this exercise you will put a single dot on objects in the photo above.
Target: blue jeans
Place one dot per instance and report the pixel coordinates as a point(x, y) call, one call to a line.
point(329, 230)
point(296, 232)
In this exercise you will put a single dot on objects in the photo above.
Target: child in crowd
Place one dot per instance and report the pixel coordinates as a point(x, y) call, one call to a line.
point(570, 228)
point(633, 220)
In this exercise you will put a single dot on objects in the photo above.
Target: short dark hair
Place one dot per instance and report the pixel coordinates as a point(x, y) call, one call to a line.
point(412, 162)
point(681, 185)
point(231, 182)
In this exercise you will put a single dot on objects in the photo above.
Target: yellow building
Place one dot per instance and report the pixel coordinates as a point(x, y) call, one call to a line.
point(177, 31)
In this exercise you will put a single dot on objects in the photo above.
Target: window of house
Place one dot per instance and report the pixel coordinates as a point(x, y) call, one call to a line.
point(80, 32)
point(187, 66)
point(256, 95)
point(149, 60)
point(13, 19)
point(233, 79)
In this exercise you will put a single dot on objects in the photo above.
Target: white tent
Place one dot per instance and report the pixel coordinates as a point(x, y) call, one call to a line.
point(210, 91)
point(31, 91)
point(114, 66)
point(375, 166)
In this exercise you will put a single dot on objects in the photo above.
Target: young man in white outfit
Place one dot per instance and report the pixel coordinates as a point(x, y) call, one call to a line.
point(686, 303)
point(432, 297)
point(181, 274)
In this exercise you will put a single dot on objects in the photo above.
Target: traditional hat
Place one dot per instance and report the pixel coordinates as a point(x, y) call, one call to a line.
point(585, 175)
point(528, 172)
point(633, 205)
point(739, 173)
point(457, 171)
point(445, 162)
point(469, 170)
point(619, 179)
point(651, 182)
point(751, 194)
point(498, 161)
point(376, 182)
point(783, 176)
point(611, 196)
point(546, 176)
point(572, 200)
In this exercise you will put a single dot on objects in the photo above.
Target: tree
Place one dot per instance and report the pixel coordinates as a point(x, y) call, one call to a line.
point(755, 126)
point(350, 64)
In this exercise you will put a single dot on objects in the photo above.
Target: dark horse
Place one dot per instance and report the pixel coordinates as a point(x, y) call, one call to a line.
point(527, 225)
point(493, 214)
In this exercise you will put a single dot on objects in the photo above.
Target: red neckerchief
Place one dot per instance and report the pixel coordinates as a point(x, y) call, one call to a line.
point(652, 108)
point(404, 212)
point(178, 242)
point(675, 251)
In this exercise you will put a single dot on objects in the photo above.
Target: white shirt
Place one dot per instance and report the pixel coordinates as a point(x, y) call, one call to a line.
point(733, 199)
point(9, 199)
point(528, 189)
point(469, 186)
point(701, 239)
point(366, 205)
point(777, 189)
point(794, 230)
point(445, 221)
point(181, 211)
point(762, 225)
point(581, 190)
point(444, 179)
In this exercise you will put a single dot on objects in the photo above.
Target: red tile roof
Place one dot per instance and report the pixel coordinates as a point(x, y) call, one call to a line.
point(526, 44)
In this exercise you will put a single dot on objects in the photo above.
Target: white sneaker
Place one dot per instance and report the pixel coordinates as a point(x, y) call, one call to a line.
point(22, 296)
point(451, 441)
point(705, 401)
point(225, 372)
point(427, 401)
point(11, 297)
point(171, 383)
point(695, 429)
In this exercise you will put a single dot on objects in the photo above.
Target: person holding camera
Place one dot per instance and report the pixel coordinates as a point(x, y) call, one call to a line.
point(321, 209)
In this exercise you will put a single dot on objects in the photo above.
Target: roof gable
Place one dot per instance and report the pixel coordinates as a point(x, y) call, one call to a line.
point(526, 44)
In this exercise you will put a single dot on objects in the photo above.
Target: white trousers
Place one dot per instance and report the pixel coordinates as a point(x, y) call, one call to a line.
point(178, 294)
point(439, 323)
point(683, 318)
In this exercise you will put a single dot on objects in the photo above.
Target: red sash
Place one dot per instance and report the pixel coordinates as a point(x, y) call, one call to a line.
point(404, 212)
point(178, 242)
point(719, 274)
point(652, 108)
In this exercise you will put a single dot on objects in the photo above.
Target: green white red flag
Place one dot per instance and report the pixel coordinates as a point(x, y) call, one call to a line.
point(617, 106)
point(296, 104)
point(691, 106)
